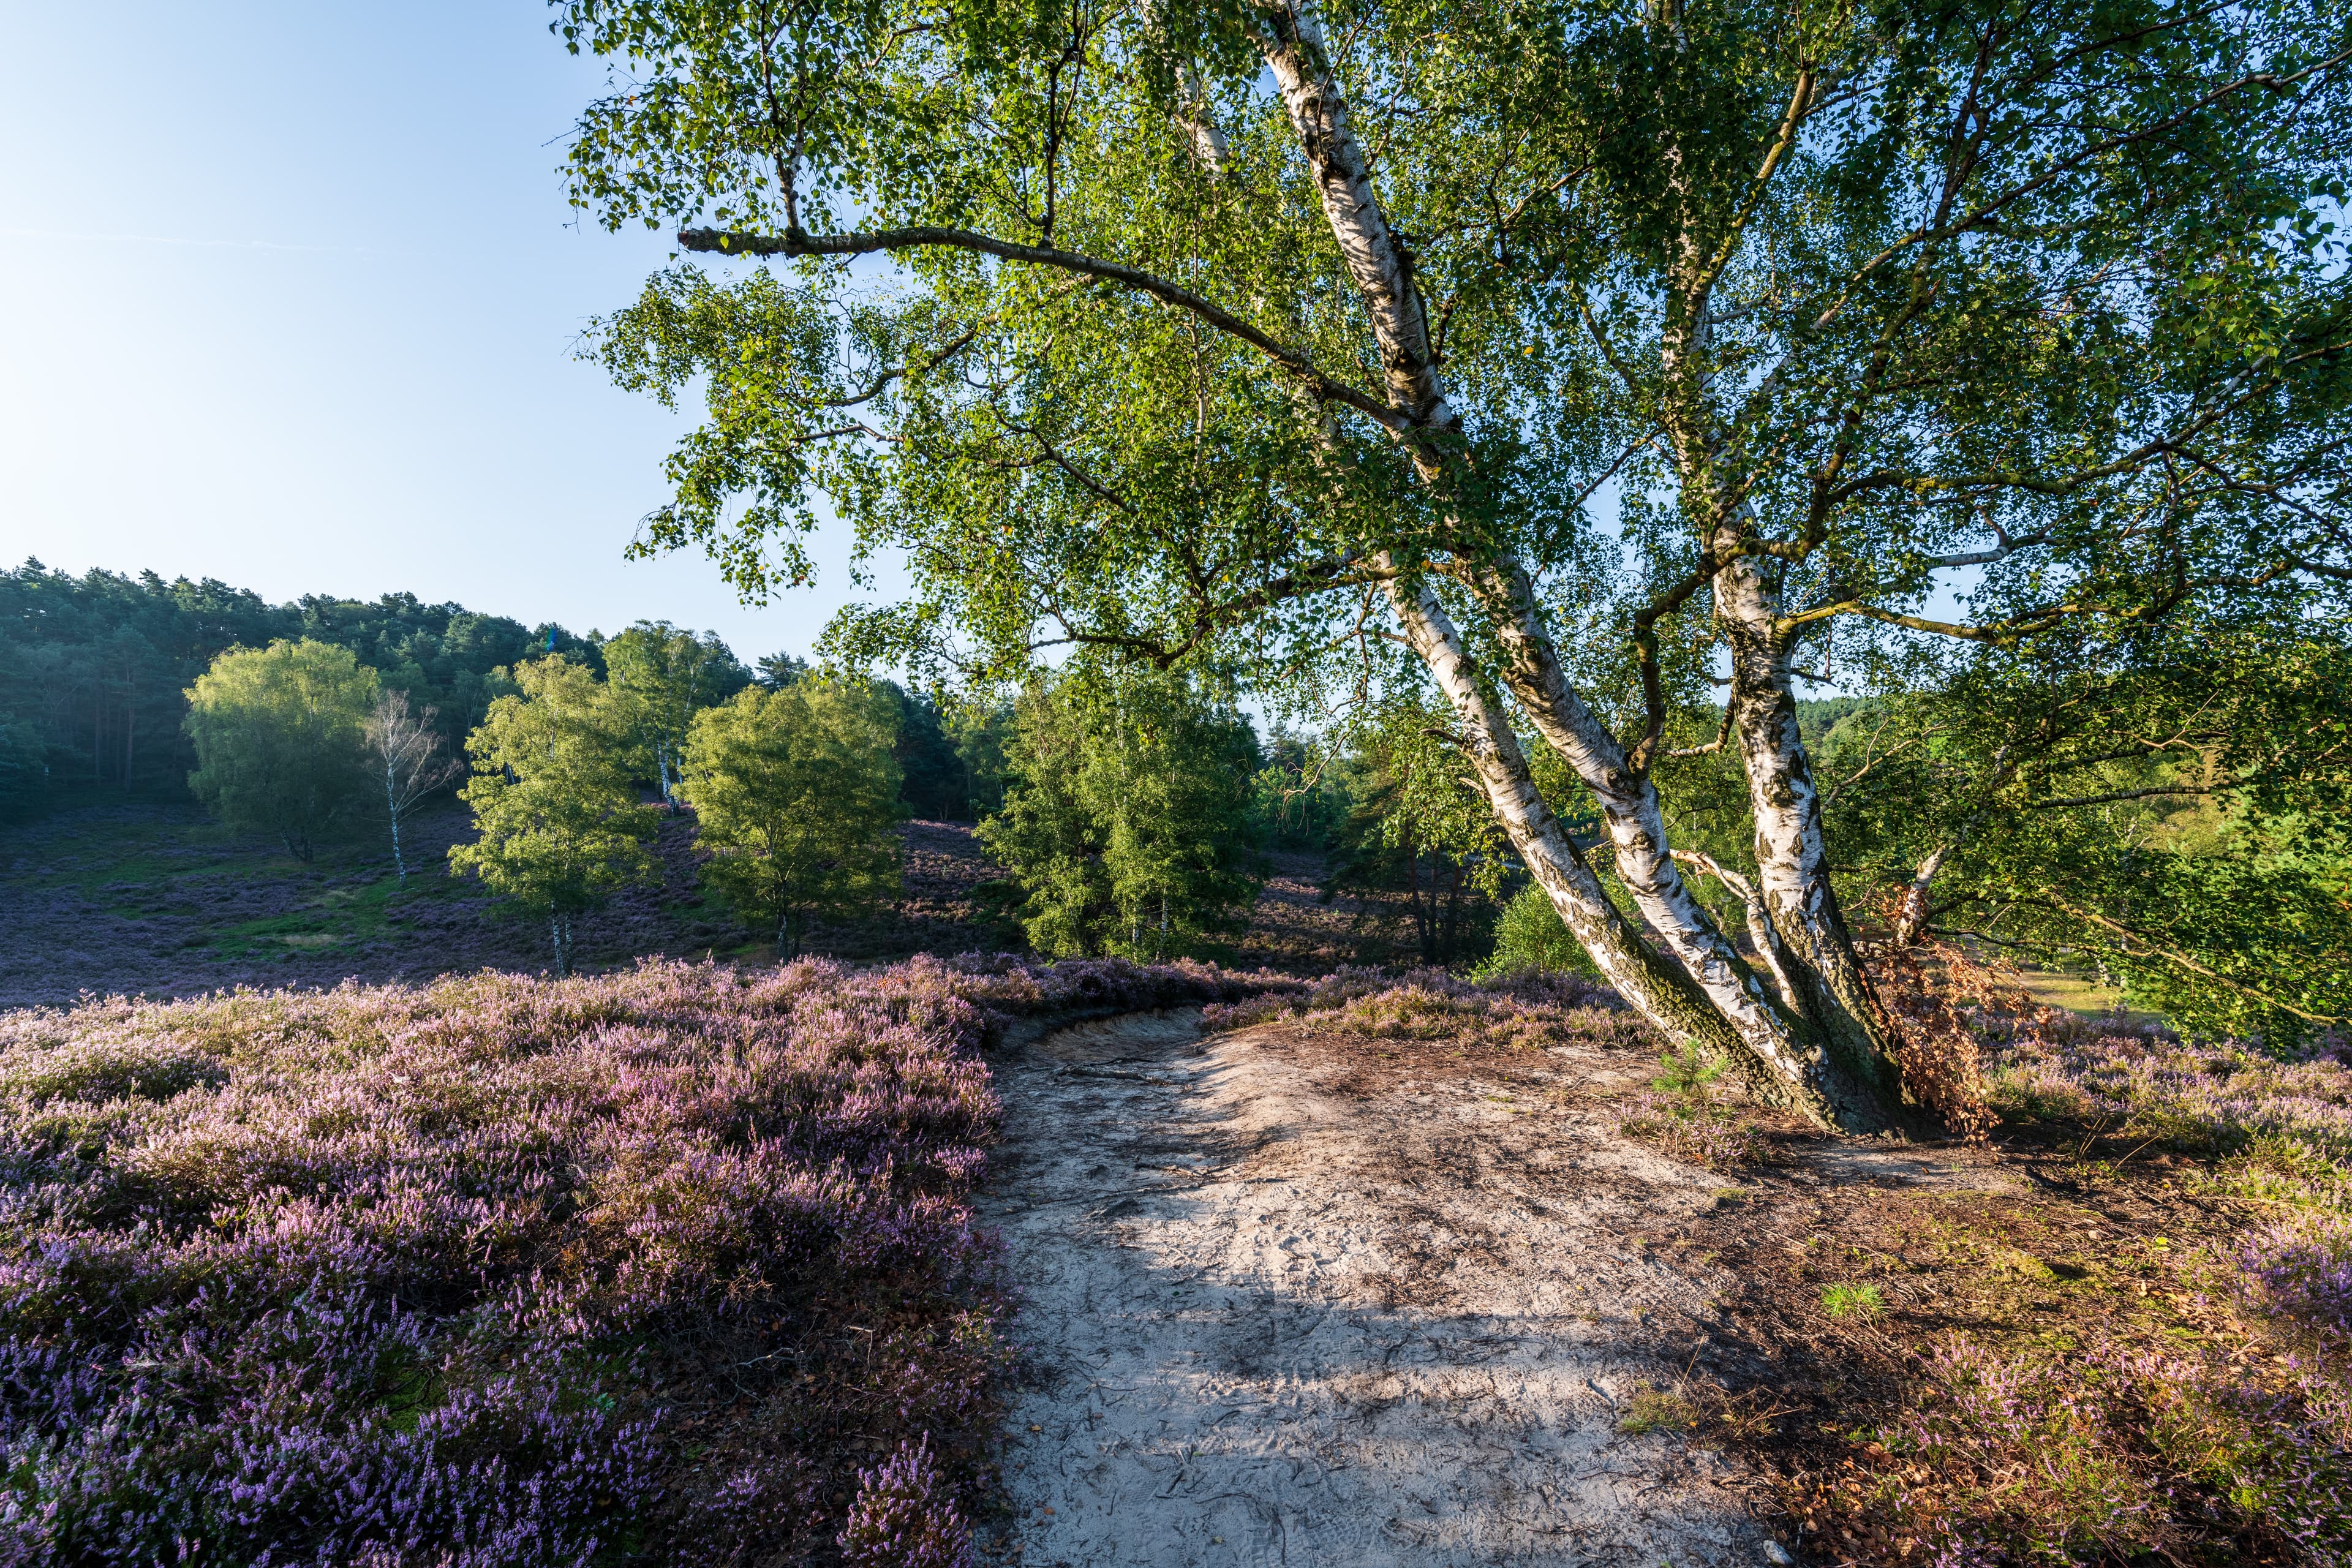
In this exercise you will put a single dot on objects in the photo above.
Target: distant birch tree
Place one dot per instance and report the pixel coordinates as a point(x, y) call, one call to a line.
point(663, 676)
point(404, 751)
point(795, 795)
point(278, 733)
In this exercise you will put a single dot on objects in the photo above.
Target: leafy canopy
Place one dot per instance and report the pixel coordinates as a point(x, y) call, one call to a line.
point(2058, 276)
point(2175, 813)
point(1561, 358)
point(559, 827)
point(1127, 817)
point(795, 794)
point(278, 733)
point(663, 675)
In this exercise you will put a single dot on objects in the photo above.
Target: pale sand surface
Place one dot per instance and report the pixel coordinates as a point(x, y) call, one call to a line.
point(1278, 1315)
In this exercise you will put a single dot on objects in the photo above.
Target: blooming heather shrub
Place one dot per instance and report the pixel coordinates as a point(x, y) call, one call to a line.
point(1528, 1011)
point(2205, 1098)
point(2303, 1267)
point(2108, 1452)
point(2280, 1170)
point(905, 1518)
point(100, 1071)
point(2285, 1126)
point(500, 1270)
point(1012, 984)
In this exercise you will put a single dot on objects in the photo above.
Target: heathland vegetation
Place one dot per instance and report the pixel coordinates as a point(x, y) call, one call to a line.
point(1390, 466)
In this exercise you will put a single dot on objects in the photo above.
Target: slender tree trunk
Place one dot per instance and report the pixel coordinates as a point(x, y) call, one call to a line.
point(557, 934)
point(1911, 913)
point(1791, 853)
point(1412, 895)
point(391, 809)
point(1774, 1064)
point(1707, 996)
point(1786, 1042)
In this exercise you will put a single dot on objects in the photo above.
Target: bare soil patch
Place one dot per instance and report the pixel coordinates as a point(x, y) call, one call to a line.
point(1293, 1298)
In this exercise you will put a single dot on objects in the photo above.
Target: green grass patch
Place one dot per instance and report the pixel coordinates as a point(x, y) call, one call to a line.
point(1864, 1301)
point(339, 917)
point(1658, 1410)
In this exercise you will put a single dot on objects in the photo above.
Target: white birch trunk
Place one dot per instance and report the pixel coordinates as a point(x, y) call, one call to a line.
point(1376, 261)
point(1681, 1010)
point(1792, 863)
point(1778, 1036)
point(1815, 952)
point(1911, 914)
point(391, 808)
point(1727, 1007)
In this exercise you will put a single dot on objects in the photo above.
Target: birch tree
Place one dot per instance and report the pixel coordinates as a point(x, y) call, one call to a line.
point(663, 676)
point(1571, 356)
point(1127, 815)
point(795, 794)
point(278, 735)
point(404, 752)
point(558, 823)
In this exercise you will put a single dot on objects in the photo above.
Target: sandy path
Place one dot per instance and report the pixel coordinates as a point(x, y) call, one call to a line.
point(1278, 1320)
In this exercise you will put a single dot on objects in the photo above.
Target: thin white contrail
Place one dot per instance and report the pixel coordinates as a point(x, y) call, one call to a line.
point(179, 239)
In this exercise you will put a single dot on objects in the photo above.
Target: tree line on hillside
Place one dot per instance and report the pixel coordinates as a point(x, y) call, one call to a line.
point(95, 671)
point(794, 781)
point(2169, 814)
point(1131, 810)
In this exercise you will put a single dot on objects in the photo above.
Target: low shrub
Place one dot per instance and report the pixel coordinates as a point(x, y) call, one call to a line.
point(1683, 1117)
point(1525, 1011)
point(2216, 1097)
point(1714, 1137)
point(2302, 1268)
point(1531, 939)
point(2104, 1453)
point(905, 1517)
point(509, 1271)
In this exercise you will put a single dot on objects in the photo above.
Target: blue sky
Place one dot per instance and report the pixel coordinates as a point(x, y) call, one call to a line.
point(292, 295)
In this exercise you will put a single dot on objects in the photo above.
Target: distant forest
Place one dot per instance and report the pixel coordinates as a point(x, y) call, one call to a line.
point(94, 672)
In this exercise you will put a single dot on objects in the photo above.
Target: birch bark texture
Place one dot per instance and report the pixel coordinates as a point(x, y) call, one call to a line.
point(404, 751)
point(1560, 365)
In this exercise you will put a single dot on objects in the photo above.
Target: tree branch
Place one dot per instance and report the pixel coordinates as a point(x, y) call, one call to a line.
point(2121, 794)
point(2173, 956)
point(728, 242)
